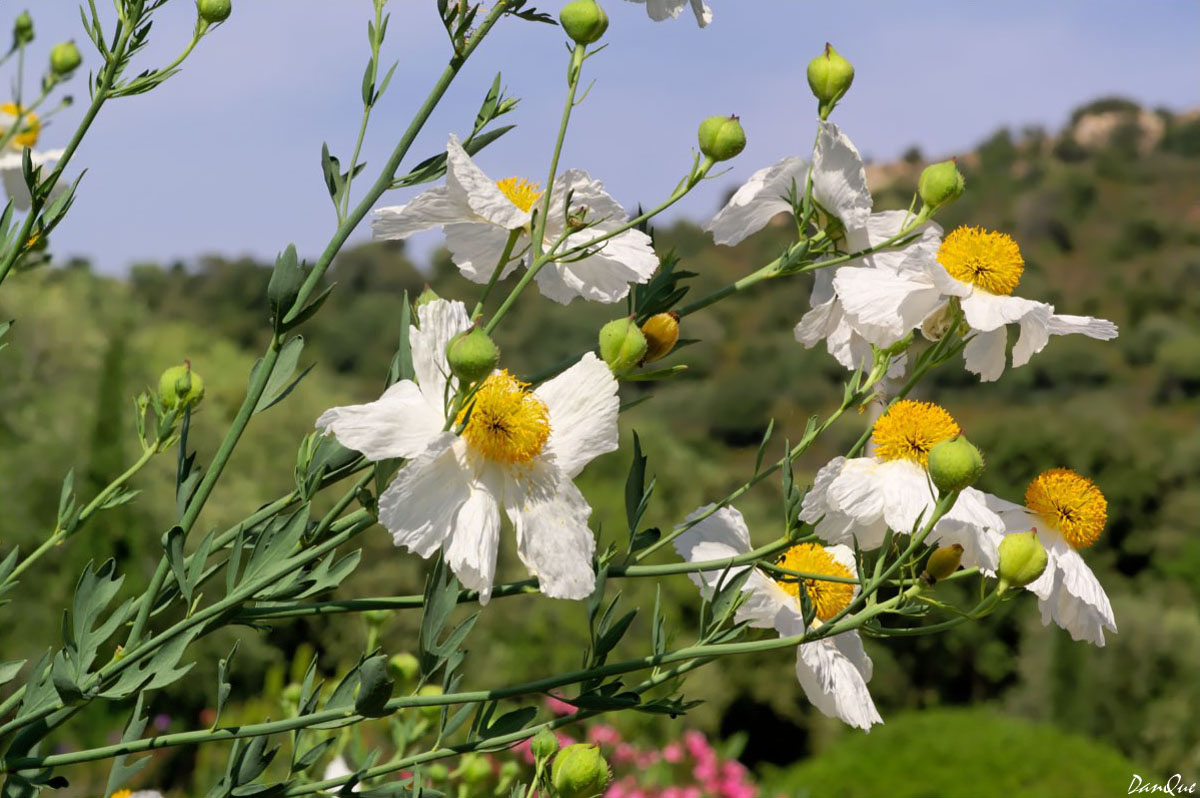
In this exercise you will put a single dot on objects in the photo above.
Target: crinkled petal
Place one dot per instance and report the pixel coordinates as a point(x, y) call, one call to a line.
point(857, 490)
point(907, 494)
point(398, 424)
point(471, 550)
point(12, 172)
point(839, 180)
point(702, 11)
point(834, 684)
point(554, 541)
point(758, 201)
point(440, 321)
point(725, 528)
point(429, 209)
point(420, 506)
point(603, 276)
point(1035, 332)
point(984, 354)
point(468, 185)
point(1101, 329)
point(816, 501)
point(987, 312)
point(972, 525)
point(883, 306)
point(587, 194)
point(476, 248)
point(1078, 602)
point(582, 403)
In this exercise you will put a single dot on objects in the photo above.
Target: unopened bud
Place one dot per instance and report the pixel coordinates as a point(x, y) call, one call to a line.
point(942, 563)
point(472, 355)
point(425, 297)
point(829, 77)
point(584, 21)
point(1022, 559)
point(437, 772)
point(580, 771)
point(291, 694)
point(23, 29)
point(180, 387)
point(64, 58)
point(622, 344)
point(404, 666)
point(431, 711)
point(661, 331)
point(544, 744)
point(475, 769)
point(214, 11)
point(954, 464)
point(721, 137)
point(940, 184)
point(377, 618)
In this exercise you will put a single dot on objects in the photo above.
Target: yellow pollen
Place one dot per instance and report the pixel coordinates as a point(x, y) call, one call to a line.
point(1070, 503)
point(985, 259)
point(909, 429)
point(31, 126)
point(829, 598)
point(122, 794)
point(520, 192)
point(507, 423)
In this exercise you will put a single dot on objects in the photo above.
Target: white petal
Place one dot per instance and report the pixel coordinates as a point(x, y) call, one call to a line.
point(1101, 329)
point(432, 208)
point(907, 495)
point(471, 550)
point(587, 197)
point(986, 312)
point(663, 9)
point(834, 683)
point(420, 506)
point(468, 185)
point(583, 405)
point(12, 172)
point(857, 490)
point(1035, 332)
point(984, 354)
point(703, 13)
point(758, 201)
point(336, 769)
point(1079, 603)
point(399, 424)
point(839, 180)
point(920, 255)
point(476, 249)
point(883, 306)
point(603, 276)
point(724, 529)
point(973, 526)
point(555, 543)
point(440, 321)
point(816, 502)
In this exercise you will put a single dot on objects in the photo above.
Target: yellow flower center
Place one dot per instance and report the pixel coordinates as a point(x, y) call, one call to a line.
point(829, 598)
point(505, 422)
point(520, 192)
point(1070, 503)
point(987, 260)
point(909, 429)
point(31, 126)
point(122, 794)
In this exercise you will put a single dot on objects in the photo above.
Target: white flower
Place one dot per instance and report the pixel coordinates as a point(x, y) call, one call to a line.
point(861, 498)
point(1068, 512)
point(833, 671)
point(519, 449)
point(980, 269)
point(477, 215)
point(840, 188)
point(11, 169)
point(338, 769)
point(670, 9)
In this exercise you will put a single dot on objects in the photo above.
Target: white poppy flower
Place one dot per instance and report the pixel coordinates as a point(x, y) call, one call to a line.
point(833, 671)
point(1068, 512)
point(670, 9)
point(477, 215)
point(519, 449)
point(338, 769)
point(861, 498)
point(11, 169)
point(981, 269)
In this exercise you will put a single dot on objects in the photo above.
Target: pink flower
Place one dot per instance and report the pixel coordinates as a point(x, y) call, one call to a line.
point(673, 753)
point(560, 707)
point(604, 734)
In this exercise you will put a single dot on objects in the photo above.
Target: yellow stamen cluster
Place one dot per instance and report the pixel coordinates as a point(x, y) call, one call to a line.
point(828, 598)
point(520, 192)
point(985, 259)
point(122, 794)
point(505, 422)
point(1070, 503)
point(909, 429)
point(31, 126)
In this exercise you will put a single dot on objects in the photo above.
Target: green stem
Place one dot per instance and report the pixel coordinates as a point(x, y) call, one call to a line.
point(505, 256)
point(368, 106)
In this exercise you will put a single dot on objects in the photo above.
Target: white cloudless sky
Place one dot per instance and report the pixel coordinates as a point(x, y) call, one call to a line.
point(224, 157)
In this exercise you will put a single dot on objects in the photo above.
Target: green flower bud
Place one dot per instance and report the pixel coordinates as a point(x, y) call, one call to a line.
point(23, 28)
point(1022, 559)
point(425, 297)
point(940, 184)
point(377, 618)
point(64, 58)
point(580, 771)
point(431, 690)
point(941, 563)
point(721, 137)
point(404, 666)
point(509, 772)
point(291, 694)
point(584, 21)
point(472, 355)
point(622, 344)
point(437, 772)
point(180, 387)
point(214, 11)
point(829, 77)
point(544, 744)
point(954, 464)
point(475, 769)
point(661, 331)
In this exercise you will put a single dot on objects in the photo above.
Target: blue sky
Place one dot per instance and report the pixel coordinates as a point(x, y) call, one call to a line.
point(224, 157)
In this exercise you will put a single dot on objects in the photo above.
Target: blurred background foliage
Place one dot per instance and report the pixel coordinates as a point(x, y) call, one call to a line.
point(1108, 217)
